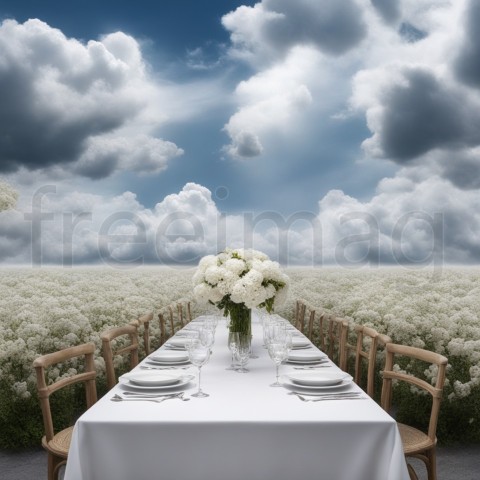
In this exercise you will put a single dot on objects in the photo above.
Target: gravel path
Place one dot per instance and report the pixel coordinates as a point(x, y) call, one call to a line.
point(453, 463)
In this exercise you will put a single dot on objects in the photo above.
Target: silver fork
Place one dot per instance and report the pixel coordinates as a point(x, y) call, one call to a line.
point(146, 367)
point(156, 399)
point(155, 395)
point(312, 367)
point(320, 398)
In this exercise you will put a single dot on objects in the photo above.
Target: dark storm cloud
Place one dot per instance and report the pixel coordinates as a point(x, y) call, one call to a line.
point(58, 97)
point(389, 10)
point(423, 115)
point(462, 169)
point(334, 27)
point(33, 135)
point(411, 34)
point(467, 64)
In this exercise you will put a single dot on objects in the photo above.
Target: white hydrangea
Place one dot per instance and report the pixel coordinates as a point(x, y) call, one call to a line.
point(240, 276)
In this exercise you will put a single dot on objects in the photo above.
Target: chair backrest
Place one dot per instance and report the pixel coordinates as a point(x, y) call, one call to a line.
point(337, 335)
point(172, 323)
point(180, 314)
point(368, 351)
point(300, 308)
point(163, 331)
point(435, 390)
point(109, 352)
point(144, 321)
point(311, 321)
point(189, 312)
point(88, 376)
point(322, 321)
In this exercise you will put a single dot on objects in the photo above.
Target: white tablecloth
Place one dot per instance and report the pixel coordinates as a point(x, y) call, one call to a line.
point(245, 430)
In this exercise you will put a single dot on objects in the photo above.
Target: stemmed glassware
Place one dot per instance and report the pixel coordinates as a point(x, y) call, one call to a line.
point(199, 355)
point(278, 352)
point(278, 342)
point(233, 343)
point(242, 355)
point(207, 337)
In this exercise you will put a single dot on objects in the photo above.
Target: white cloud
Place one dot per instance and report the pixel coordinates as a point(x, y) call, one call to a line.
point(418, 111)
point(269, 29)
point(270, 102)
point(67, 105)
point(413, 218)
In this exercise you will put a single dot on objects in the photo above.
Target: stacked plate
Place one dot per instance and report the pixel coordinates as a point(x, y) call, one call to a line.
point(176, 343)
point(169, 358)
point(300, 343)
point(305, 357)
point(155, 380)
point(316, 381)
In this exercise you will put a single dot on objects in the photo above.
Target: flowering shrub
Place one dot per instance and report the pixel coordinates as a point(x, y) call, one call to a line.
point(45, 310)
point(437, 311)
point(8, 196)
point(240, 276)
point(49, 309)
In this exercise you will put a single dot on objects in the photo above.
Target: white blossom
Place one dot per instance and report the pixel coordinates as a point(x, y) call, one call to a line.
point(240, 276)
point(8, 196)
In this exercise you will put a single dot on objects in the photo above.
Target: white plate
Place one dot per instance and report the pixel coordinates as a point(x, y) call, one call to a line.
point(307, 362)
point(184, 379)
point(153, 379)
point(304, 356)
point(168, 356)
point(314, 379)
point(155, 363)
point(300, 342)
point(176, 341)
point(286, 382)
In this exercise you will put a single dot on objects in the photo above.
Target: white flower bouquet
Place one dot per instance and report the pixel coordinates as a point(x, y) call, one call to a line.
point(240, 276)
point(237, 280)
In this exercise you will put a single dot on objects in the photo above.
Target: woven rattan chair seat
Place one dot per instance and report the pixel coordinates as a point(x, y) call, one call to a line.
point(60, 443)
point(413, 440)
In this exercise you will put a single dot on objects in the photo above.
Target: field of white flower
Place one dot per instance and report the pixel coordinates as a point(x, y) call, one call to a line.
point(51, 308)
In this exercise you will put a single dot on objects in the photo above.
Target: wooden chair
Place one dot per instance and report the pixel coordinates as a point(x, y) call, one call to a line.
point(187, 316)
point(144, 321)
point(57, 445)
point(109, 353)
point(369, 353)
point(311, 321)
point(322, 334)
point(180, 314)
point(171, 319)
point(337, 335)
point(415, 442)
point(163, 330)
point(300, 308)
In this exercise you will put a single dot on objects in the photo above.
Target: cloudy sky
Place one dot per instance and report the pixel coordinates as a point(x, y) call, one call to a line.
point(318, 131)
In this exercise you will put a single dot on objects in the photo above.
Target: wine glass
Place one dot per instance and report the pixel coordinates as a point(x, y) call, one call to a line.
point(278, 353)
point(233, 343)
point(199, 355)
point(207, 337)
point(242, 354)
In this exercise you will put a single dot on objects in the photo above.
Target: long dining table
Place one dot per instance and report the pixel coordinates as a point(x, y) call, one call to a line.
point(244, 429)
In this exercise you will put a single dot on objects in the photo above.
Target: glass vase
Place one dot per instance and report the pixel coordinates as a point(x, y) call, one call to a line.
point(241, 323)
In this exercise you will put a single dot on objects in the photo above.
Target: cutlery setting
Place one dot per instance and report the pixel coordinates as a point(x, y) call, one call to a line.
point(312, 367)
point(148, 397)
point(330, 396)
point(147, 367)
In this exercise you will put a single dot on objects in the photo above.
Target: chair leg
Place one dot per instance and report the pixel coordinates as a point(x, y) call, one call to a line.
point(51, 466)
point(432, 464)
point(54, 465)
point(411, 472)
